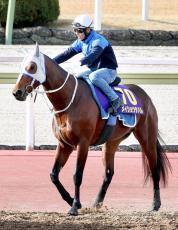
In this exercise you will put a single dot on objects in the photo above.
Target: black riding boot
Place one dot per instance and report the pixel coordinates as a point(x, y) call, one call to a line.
point(115, 105)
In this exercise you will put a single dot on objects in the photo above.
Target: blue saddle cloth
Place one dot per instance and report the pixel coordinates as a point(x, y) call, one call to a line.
point(126, 113)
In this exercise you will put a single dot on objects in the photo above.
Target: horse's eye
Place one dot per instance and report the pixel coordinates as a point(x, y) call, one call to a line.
point(31, 68)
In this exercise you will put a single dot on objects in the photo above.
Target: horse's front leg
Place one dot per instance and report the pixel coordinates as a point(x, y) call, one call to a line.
point(82, 154)
point(108, 154)
point(62, 155)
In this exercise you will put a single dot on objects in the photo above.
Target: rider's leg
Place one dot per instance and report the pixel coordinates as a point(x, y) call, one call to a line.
point(84, 73)
point(102, 78)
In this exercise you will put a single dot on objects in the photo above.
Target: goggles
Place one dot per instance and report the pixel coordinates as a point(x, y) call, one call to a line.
point(79, 30)
point(77, 24)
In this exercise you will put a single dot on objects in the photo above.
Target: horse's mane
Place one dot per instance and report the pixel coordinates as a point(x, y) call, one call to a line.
point(58, 67)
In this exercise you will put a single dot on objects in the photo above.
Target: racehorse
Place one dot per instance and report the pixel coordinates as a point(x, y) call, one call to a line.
point(77, 125)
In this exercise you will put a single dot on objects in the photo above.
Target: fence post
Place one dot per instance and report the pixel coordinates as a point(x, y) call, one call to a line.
point(97, 24)
point(30, 123)
point(145, 10)
point(10, 21)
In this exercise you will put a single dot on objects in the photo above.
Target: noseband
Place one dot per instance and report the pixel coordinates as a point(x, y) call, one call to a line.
point(29, 88)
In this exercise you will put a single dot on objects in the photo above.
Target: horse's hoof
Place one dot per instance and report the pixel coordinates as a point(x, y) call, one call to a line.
point(73, 212)
point(155, 208)
point(97, 205)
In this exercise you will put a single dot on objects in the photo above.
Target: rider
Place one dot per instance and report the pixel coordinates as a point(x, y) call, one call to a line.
point(98, 56)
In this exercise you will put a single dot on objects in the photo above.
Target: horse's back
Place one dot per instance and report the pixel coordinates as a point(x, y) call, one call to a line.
point(146, 102)
point(142, 95)
point(138, 91)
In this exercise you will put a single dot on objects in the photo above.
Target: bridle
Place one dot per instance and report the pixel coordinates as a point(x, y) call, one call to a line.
point(40, 65)
point(58, 89)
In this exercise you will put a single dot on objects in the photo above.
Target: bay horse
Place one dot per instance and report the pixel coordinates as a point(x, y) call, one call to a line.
point(77, 124)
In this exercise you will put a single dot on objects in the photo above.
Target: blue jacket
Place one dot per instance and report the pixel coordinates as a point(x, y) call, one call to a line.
point(97, 51)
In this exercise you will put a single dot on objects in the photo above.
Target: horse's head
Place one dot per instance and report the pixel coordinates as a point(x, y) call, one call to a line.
point(32, 74)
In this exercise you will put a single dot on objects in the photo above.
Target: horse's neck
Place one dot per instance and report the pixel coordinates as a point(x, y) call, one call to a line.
point(55, 77)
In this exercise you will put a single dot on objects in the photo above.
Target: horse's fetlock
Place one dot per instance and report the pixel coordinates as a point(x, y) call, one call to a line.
point(77, 204)
point(54, 177)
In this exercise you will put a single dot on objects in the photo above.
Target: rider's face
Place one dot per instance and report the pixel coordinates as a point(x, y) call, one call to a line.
point(81, 33)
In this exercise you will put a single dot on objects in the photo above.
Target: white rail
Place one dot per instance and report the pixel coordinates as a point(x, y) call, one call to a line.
point(121, 61)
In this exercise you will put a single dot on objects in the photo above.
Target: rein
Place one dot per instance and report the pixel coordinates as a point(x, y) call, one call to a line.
point(55, 90)
point(62, 110)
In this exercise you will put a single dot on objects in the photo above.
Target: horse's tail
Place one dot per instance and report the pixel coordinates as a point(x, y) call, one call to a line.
point(163, 165)
point(163, 162)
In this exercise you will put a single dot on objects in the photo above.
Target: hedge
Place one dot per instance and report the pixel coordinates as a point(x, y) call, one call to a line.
point(31, 13)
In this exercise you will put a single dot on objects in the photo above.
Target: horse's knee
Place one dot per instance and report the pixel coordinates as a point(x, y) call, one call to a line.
point(54, 178)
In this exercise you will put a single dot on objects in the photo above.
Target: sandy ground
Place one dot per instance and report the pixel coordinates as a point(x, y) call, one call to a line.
point(30, 201)
point(90, 219)
point(123, 14)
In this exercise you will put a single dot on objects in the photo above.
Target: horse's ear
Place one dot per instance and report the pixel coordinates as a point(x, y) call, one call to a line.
point(37, 53)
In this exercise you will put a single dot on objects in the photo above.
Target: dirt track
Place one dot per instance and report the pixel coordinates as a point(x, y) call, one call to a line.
point(128, 203)
point(89, 219)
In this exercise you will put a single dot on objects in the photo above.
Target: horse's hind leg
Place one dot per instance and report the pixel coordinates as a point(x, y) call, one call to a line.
point(108, 152)
point(62, 156)
point(147, 134)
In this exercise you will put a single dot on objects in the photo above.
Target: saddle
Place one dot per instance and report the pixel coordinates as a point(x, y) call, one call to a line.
point(126, 113)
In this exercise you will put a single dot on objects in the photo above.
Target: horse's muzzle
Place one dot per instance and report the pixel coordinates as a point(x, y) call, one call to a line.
point(20, 95)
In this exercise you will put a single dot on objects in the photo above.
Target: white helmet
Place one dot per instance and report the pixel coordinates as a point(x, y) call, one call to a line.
point(82, 21)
